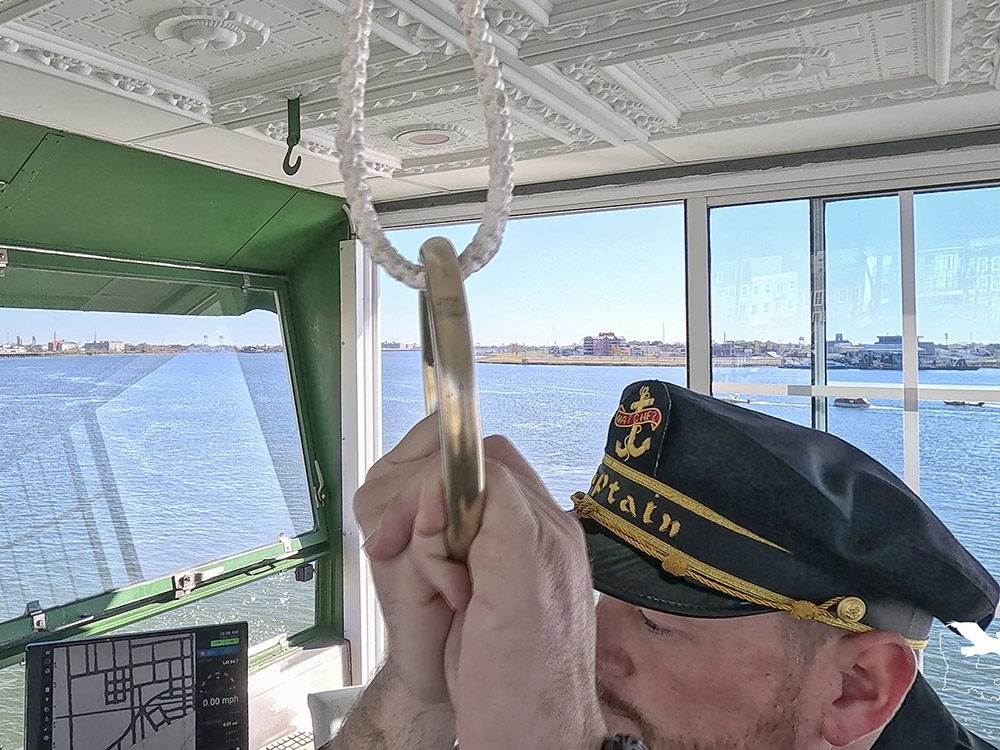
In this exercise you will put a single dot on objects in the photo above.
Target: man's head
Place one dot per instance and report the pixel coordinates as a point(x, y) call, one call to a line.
point(764, 583)
point(762, 681)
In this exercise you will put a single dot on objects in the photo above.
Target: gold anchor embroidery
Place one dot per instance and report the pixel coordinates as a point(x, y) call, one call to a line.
point(640, 414)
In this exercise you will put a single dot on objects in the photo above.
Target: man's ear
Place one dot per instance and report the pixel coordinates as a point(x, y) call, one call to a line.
point(874, 672)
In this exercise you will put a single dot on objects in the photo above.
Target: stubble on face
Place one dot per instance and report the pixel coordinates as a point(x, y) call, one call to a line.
point(776, 728)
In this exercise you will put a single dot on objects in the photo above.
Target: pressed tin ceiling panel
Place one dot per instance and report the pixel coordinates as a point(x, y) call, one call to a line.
point(583, 76)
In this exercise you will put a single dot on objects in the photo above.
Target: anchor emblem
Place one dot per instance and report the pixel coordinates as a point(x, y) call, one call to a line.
point(642, 412)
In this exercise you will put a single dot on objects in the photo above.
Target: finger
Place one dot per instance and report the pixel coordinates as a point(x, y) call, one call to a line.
point(395, 528)
point(386, 479)
point(429, 550)
point(499, 448)
point(517, 473)
point(423, 440)
point(444, 577)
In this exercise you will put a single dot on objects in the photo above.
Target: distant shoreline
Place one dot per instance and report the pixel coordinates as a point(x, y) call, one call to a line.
point(507, 358)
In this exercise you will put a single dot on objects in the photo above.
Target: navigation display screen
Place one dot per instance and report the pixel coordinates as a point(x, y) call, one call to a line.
point(168, 690)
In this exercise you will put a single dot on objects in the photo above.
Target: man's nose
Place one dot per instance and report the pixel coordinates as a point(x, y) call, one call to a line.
point(613, 634)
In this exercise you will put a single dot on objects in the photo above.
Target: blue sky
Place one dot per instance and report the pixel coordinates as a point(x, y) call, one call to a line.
point(559, 278)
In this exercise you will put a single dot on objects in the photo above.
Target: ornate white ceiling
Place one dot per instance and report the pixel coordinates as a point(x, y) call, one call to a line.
point(594, 85)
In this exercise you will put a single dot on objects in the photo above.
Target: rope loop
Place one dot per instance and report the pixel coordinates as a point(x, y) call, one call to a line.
point(351, 145)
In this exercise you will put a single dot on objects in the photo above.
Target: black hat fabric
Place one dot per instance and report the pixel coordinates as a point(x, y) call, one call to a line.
point(706, 509)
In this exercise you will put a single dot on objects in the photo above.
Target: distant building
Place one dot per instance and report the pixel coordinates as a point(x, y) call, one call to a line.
point(68, 346)
point(109, 347)
point(604, 345)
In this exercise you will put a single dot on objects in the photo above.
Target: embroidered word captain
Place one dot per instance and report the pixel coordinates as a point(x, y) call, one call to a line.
point(763, 585)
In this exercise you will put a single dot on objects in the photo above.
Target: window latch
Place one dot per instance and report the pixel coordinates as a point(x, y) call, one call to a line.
point(320, 486)
point(34, 608)
point(189, 580)
point(3, 261)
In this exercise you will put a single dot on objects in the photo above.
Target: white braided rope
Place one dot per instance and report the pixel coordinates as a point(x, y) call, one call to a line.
point(351, 144)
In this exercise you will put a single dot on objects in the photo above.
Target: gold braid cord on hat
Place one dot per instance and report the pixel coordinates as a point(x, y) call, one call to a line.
point(843, 612)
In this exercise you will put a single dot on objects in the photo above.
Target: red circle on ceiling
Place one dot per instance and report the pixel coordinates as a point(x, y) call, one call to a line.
point(428, 139)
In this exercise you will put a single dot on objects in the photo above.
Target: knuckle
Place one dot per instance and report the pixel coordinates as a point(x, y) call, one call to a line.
point(498, 446)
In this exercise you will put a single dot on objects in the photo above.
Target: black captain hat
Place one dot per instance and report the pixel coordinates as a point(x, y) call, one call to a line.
point(707, 509)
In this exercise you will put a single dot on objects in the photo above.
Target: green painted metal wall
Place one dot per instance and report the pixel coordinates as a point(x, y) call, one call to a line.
point(67, 192)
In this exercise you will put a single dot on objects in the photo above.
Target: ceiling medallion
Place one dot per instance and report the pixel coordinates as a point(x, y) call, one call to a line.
point(212, 30)
point(777, 66)
point(431, 136)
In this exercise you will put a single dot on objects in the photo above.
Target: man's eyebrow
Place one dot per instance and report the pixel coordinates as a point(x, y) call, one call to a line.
point(666, 620)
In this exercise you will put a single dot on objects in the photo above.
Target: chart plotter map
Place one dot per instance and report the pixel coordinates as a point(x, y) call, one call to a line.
point(170, 690)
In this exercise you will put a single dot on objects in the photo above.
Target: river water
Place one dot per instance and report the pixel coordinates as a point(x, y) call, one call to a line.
point(180, 450)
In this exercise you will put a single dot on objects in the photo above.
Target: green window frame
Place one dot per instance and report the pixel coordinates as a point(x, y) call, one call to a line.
point(310, 325)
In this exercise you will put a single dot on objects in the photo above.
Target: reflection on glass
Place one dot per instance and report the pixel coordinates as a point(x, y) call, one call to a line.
point(760, 286)
point(12, 708)
point(864, 313)
point(274, 606)
point(957, 240)
point(874, 425)
point(959, 481)
point(122, 460)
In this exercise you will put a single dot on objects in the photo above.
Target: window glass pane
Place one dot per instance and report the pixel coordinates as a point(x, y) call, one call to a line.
point(957, 239)
point(133, 446)
point(959, 446)
point(556, 281)
point(761, 289)
point(875, 425)
point(12, 708)
point(274, 606)
point(864, 313)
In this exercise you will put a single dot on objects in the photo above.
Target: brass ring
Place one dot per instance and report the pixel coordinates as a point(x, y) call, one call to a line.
point(450, 387)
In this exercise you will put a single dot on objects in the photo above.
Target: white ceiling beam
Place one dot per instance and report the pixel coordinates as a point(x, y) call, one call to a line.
point(388, 32)
point(809, 100)
point(20, 9)
point(645, 91)
point(33, 49)
point(699, 30)
point(539, 125)
point(539, 11)
point(563, 96)
point(276, 82)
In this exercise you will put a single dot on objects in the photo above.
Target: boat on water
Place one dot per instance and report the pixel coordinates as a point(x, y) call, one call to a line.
point(735, 398)
point(965, 403)
point(852, 403)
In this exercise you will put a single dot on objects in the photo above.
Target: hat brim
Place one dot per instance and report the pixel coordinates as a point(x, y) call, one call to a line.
point(625, 573)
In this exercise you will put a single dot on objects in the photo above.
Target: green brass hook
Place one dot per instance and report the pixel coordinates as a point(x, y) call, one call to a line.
point(294, 136)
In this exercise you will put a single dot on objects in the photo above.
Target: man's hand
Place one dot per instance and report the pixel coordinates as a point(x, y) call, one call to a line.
point(525, 670)
point(401, 514)
point(511, 637)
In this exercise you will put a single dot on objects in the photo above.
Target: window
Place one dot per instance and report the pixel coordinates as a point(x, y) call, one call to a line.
point(521, 296)
point(768, 246)
point(862, 254)
point(147, 427)
point(139, 440)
